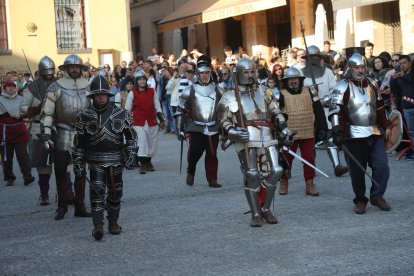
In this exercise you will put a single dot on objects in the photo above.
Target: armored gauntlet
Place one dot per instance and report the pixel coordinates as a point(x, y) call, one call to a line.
point(240, 135)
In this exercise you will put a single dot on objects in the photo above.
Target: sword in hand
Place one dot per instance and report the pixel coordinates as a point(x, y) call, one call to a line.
point(304, 161)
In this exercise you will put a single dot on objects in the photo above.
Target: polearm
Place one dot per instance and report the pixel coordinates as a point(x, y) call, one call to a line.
point(314, 87)
point(240, 119)
point(30, 71)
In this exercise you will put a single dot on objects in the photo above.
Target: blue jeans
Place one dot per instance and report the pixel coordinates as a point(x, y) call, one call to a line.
point(168, 113)
point(409, 119)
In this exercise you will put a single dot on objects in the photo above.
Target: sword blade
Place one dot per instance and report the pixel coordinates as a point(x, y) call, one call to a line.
point(304, 161)
point(346, 150)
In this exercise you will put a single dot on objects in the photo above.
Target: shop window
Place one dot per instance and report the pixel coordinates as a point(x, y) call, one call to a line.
point(70, 25)
point(4, 45)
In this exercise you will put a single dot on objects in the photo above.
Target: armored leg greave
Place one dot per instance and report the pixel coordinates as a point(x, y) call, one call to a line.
point(113, 200)
point(97, 194)
point(273, 177)
point(252, 182)
point(333, 154)
point(101, 182)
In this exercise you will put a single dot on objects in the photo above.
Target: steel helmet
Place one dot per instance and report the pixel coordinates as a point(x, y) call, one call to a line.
point(99, 85)
point(73, 60)
point(46, 66)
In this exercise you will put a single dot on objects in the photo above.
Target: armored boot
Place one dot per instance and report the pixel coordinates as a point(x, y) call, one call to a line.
point(334, 157)
point(44, 188)
point(98, 232)
point(253, 200)
point(113, 226)
point(265, 210)
point(310, 188)
point(80, 209)
point(62, 198)
point(284, 186)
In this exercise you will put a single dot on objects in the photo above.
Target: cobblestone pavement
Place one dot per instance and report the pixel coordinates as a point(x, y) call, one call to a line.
point(172, 229)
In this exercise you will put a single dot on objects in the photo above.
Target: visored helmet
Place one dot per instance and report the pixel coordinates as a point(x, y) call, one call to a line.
point(73, 60)
point(314, 50)
point(99, 85)
point(241, 66)
point(314, 55)
point(292, 72)
point(46, 66)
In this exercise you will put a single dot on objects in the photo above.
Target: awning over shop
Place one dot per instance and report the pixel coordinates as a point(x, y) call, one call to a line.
point(345, 4)
point(198, 12)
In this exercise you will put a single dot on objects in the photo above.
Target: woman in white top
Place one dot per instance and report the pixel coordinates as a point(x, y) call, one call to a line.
point(172, 87)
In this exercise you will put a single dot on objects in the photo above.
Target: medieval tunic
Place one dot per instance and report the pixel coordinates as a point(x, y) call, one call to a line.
point(12, 130)
point(13, 136)
point(302, 111)
point(144, 105)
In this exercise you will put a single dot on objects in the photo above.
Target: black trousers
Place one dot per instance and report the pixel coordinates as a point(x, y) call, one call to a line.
point(22, 158)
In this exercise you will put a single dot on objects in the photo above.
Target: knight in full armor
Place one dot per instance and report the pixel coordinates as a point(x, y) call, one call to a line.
point(325, 81)
point(304, 110)
point(255, 141)
point(65, 99)
point(100, 134)
point(31, 105)
point(197, 107)
point(359, 121)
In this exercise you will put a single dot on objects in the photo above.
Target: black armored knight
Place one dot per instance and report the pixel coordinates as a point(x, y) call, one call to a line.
point(100, 134)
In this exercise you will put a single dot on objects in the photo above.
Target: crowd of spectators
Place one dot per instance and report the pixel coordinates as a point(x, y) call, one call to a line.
point(169, 75)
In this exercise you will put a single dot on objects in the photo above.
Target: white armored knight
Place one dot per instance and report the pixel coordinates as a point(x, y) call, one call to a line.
point(249, 115)
point(198, 105)
point(359, 121)
point(65, 99)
